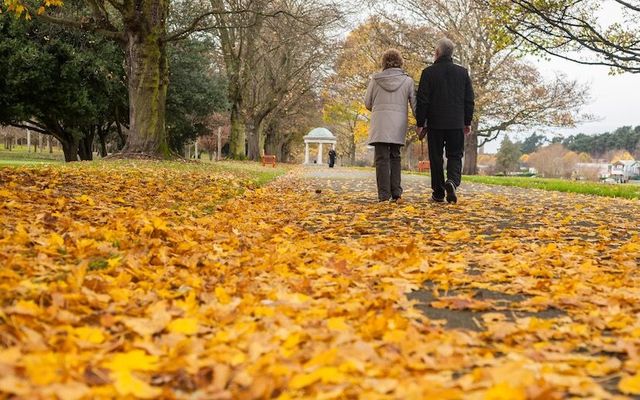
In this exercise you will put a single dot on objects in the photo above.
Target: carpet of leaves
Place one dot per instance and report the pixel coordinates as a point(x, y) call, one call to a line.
point(143, 282)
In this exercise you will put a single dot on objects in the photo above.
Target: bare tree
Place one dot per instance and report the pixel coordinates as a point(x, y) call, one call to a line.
point(510, 94)
point(266, 59)
point(560, 28)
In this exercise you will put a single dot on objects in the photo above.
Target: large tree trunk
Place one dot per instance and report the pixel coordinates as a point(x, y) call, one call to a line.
point(237, 135)
point(253, 141)
point(471, 152)
point(69, 148)
point(148, 79)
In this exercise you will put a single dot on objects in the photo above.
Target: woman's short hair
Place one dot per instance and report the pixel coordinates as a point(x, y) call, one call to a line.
point(392, 59)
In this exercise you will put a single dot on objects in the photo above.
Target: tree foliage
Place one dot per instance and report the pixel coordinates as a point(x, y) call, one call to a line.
point(563, 28)
point(508, 156)
point(532, 143)
point(624, 138)
point(68, 84)
point(196, 91)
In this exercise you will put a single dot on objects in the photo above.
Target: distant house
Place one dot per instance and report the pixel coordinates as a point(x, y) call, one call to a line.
point(594, 171)
point(622, 171)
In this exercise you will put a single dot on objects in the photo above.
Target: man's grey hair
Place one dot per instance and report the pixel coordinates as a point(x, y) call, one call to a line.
point(445, 47)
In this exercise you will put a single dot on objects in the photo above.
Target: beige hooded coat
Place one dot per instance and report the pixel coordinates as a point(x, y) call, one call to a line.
point(388, 95)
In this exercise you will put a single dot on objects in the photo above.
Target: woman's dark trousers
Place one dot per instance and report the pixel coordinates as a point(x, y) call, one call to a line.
point(388, 171)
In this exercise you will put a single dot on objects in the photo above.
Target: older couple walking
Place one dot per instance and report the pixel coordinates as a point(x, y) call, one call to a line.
point(443, 107)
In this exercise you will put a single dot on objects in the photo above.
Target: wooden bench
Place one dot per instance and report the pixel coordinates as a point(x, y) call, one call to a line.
point(424, 166)
point(269, 159)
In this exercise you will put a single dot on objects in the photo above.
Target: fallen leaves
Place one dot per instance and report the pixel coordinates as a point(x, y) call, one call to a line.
point(137, 280)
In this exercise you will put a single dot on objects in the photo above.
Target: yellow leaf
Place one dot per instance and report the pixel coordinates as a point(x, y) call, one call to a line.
point(337, 324)
point(113, 262)
point(136, 360)
point(55, 241)
point(43, 368)
point(41, 10)
point(504, 391)
point(301, 381)
point(159, 224)
point(187, 326)
point(458, 235)
point(330, 375)
point(222, 295)
point(395, 336)
point(630, 385)
point(119, 294)
point(86, 199)
point(325, 358)
point(292, 341)
point(89, 334)
point(26, 307)
point(126, 384)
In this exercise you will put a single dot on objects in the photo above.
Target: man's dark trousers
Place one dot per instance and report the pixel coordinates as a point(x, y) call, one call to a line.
point(388, 171)
point(451, 140)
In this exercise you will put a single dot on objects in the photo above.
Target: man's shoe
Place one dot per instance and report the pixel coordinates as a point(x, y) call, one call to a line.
point(397, 200)
point(437, 199)
point(450, 188)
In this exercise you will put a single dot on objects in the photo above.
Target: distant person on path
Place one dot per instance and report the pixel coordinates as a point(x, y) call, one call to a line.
point(444, 114)
point(388, 96)
point(332, 158)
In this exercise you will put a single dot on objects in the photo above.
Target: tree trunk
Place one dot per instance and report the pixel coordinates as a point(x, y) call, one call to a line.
point(253, 142)
point(148, 79)
point(70, 149)
point(256, 141)
point(102, 140)
point(471, 152)
point(85, 146)
point(237, 136)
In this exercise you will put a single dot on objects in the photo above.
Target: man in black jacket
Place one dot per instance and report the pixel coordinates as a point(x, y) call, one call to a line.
point(444, 113)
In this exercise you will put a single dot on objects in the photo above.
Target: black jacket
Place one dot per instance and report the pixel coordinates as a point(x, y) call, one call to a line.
point(445, 96)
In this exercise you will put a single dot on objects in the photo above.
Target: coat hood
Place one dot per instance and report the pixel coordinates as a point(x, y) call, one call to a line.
point(390, 79)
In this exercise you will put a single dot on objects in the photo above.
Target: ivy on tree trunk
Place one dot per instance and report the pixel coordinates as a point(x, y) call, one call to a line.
point(148, 77)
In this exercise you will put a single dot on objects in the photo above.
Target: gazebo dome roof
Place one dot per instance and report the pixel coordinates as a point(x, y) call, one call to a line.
point(320, 134)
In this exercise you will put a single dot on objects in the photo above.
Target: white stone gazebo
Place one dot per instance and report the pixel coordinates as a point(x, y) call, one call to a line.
point(320, 136)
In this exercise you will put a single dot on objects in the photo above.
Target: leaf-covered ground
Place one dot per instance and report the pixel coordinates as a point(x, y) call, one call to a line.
point(144, 282)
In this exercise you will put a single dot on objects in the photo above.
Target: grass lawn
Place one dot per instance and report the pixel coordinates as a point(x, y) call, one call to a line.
point(26, 162)
point(251, 171)
point(627, 191)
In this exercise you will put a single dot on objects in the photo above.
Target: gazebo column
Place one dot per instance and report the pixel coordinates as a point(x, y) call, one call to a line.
point(320, 154)
point(306, 152)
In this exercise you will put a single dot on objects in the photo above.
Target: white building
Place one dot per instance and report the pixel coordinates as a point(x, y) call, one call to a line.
point(622, 171)
point(319, 136)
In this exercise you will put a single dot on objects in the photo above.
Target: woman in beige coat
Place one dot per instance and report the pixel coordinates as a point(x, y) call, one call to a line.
point(388, 96)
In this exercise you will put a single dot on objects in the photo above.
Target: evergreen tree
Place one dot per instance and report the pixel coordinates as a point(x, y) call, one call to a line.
point(508, 157)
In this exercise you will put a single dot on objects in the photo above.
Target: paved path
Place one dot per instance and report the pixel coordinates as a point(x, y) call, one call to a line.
point(504, 260)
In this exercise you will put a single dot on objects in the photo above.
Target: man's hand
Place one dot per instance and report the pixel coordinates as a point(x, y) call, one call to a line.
point(467, 130)
point(421, 132)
